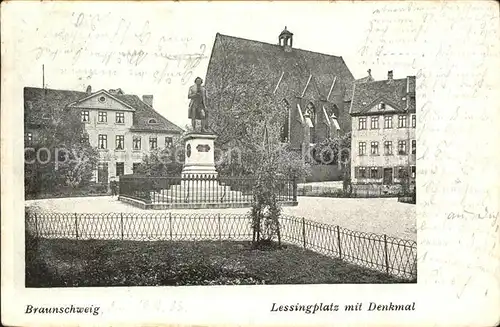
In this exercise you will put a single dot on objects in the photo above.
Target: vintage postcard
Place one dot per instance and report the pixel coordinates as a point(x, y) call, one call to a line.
point(237, 163)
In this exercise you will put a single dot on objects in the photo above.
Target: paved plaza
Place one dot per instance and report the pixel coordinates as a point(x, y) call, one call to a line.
point(374, 215)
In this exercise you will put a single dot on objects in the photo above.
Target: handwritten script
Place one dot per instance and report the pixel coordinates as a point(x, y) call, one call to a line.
point(457, 203)
point(116, 45)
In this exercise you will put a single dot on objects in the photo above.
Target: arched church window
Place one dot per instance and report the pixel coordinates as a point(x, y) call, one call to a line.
point(311, 110)
point(285, 126)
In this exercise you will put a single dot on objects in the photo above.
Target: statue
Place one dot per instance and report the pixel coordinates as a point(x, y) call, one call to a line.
point(197, 105)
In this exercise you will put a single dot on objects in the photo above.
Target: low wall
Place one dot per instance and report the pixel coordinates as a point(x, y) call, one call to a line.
point(201, 205)
point(380, 189)
point(317, 190)
point(321, 173)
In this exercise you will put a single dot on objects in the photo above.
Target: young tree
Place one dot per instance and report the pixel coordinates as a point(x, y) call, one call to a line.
point(273, 166)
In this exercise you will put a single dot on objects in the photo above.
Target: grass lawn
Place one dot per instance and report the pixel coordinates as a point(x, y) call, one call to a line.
point(70, 263)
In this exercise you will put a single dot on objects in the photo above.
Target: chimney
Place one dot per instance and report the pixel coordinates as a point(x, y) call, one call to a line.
point(89, 89)
point(148, 99)
point(389, 75)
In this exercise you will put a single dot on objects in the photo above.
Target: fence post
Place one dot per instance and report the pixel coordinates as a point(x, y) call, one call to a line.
point(76, 225)
point(304, 231)
point(386, 255)
point(170, 224)
point(294, 181)
point(338, 240)
point(121, 223)
point(36, 226)
point(218, 219)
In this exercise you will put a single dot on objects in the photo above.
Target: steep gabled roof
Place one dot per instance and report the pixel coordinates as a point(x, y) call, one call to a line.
point(143, 113)
point(114, 96)
point(273, 60)
point(395, 92)
point(350, 87)
point(365, 79)
point(41, 105)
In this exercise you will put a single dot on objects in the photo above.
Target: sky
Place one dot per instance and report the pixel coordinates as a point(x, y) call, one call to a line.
point(159, 49)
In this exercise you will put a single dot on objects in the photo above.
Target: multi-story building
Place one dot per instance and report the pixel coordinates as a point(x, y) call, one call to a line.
point(121, 126)
point(383, 131)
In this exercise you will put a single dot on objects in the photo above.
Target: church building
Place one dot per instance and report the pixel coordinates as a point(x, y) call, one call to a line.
point(315, 87)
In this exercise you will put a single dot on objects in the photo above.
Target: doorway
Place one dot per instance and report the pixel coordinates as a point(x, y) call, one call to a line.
point(102, 173)
point(387, 176)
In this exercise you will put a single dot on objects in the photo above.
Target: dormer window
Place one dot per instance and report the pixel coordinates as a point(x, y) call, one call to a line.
point(152, 121)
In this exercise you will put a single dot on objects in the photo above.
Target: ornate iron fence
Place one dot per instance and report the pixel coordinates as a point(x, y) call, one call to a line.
point(198, 189)
point(387, 254)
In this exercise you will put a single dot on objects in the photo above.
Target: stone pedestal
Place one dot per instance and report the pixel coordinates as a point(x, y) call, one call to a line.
point(199, 157)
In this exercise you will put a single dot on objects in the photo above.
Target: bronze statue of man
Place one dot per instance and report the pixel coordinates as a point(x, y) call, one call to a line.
point(197, 105)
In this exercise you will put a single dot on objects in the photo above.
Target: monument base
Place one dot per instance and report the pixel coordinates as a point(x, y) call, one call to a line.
point(199, 157)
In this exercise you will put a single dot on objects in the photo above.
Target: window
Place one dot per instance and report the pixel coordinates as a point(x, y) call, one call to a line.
point(311, 110)
point(85, 138)
point(169, 142)
point(373, 172)
point(362, 148)
point(413, 121)
point(152, 121)
point(153, 143)
point(135, 166)
point(120, 140)
point(85, 116)
point(285, 127)
point(120, 117)
point(102, 99)
point(102, 141)
point(402, 121)
point(374, 123)
point(382, 106)
point(120, 168)
point(402, 172)
point(136, 143)
point(374, 148)
point(413, 172)
point(402, 147)
point(362, 122)
point(387, 121)
point(388, 148)
point(413, 146)
point(362, 172)
point(102, 117)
